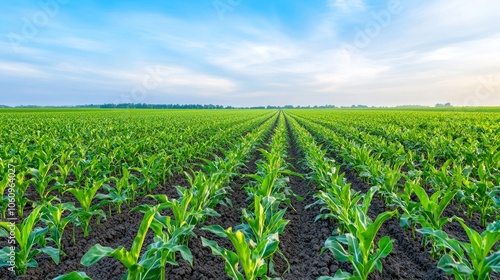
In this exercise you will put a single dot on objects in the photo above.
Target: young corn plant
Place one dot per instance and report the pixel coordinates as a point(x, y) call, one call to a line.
point(481, 196)
point(63, 171)
point(118, 194)
point(451, 175)
point(152, 264)
point(21, 186)
point(52, 216)
point(431, 210)
point(433, 207)
point(137, 269)
point(270, 185)
point(469, 260)
point(83, 215)
point(79, 169)
point(183, 212)
point(410, 208)
point(361, 252)
point(3, 196)
point(251, 256)
point(151, 169)
point(343, 204)
point(42, 179)
point(166, 244)
point(219, 169)
point(208, 192)
point(324, 171)
point(274, 161)
point(389, 181)
point(30, 241)
point(270, 179)
point(265, 220)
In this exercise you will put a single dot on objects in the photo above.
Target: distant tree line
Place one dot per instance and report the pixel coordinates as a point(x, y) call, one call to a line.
point(195, 106)
point(157, 106)
point(200, 106)
point(443, 105)
point(412, 106)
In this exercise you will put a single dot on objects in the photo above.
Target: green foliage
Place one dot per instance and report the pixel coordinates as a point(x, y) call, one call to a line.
point(120, 193)
point(469, 260)
point(87, 210)
point(249, 255)
point(42, 178)
point(361, 252)
point(136, 268)
point(30, 241)
point(75, 275)
point(52, 216)
point(432, 208)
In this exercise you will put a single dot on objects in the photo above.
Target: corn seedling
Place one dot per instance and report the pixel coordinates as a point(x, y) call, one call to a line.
point(137, 268)
point(469, 260)
point(249, 255)
point(52, 216)
point(30, 241)
point(42, 179)
point(361, 252)
point(86, 211)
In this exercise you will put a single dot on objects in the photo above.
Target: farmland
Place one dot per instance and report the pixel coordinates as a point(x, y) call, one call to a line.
point(250, 194)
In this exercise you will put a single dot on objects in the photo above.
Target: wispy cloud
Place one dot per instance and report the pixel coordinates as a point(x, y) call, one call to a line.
point(347, 5)
point(20, 70)
point(430, 52)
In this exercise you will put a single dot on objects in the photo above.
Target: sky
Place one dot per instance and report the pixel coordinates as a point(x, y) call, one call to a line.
point(249, 53)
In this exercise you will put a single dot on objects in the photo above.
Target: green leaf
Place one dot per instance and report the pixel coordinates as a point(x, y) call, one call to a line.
point(449, 265)
point(95, 254)
point(271, 246)
point(341, 275)
point(444, 240)
point(493, 261)
point(52, 252)
point(4, 233)
point(216, 249)
point(422, 195)
point(336, 248)
point(384, 247)
point(231, 266)
point(217, 230)
point(135, 250)
point(445, 200)
point(185, 253)
point(371, 231)
point(75, 275)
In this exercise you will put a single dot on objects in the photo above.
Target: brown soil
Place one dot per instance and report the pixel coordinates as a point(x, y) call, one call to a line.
point(303, 238)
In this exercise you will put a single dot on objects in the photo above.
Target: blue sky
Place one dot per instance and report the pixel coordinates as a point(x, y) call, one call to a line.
point(246, 53)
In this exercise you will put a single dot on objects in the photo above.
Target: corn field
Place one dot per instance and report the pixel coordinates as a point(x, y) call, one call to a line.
point(249, 194)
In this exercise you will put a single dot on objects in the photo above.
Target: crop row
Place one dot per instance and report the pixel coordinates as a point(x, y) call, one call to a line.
point(207, 189)
point(422, 195)
point(471, 167)
point(348, 208)
point(256, 240)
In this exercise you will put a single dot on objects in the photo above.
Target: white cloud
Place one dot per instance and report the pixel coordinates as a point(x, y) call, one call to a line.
point(181, 79)
point(20, 70)
point(82, 44)
point(346, 5)
point(432, 52)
